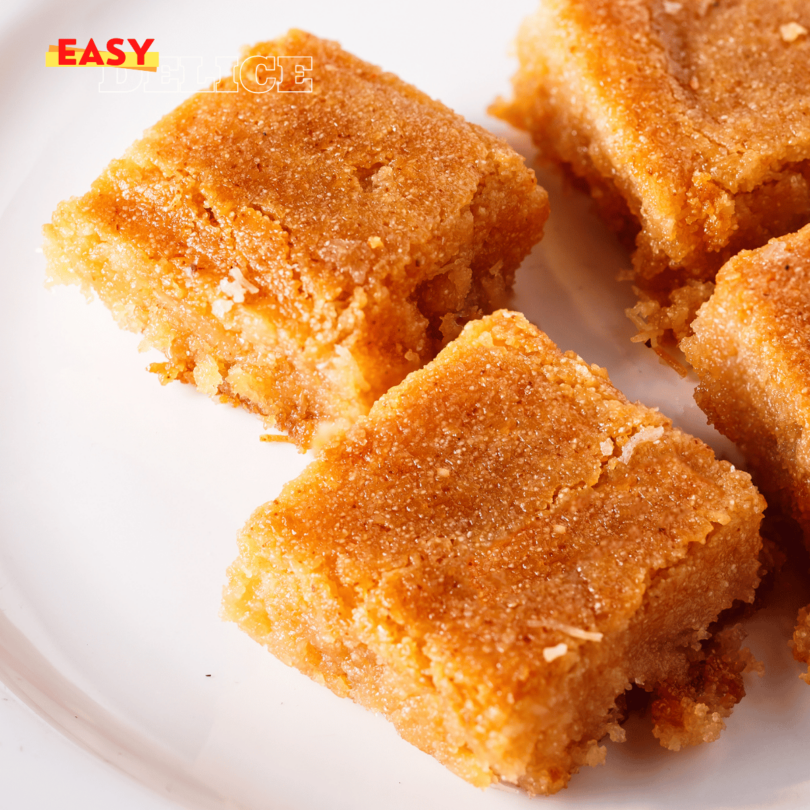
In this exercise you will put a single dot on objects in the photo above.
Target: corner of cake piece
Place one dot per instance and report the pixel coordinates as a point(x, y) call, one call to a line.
point(751, 352)
point(690, 123)
point(298, 253)
point(497, 552)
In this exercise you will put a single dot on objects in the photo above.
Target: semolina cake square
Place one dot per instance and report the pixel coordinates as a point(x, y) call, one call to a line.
point(500, 549)
point(751, 351)
point(689, 121)
point(300, 252)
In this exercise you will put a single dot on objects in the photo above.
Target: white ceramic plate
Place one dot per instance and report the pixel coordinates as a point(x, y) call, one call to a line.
point(120, 500)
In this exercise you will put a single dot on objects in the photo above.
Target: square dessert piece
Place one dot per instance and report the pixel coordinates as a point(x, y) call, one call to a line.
point(499, 550)
point(689, 121)
point(751, 351)
point(300, 252)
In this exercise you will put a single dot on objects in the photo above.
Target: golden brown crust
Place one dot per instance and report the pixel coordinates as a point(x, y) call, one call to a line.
point(361, 224)
point(496, 553)
point(751, 350)
point(690, 121)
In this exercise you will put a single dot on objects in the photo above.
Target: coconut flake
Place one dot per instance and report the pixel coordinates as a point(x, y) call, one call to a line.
point(550, 653)
point(221, 306)
point(237, 288)
point(647, 434)
point(575, 632)
point(791, 31)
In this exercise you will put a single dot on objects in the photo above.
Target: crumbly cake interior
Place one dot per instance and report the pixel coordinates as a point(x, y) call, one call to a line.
point(497, 552)
point(299, 253)
point(690, 710)
point(689, 121)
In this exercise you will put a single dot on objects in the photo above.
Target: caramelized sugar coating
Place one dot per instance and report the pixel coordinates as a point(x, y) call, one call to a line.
point(496, 553)
point(751, 350)
point(299, 253)
point(689, 120)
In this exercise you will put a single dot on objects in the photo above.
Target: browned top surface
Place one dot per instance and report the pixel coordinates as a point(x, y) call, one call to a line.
point(711, 85)
point(773, 286)
point(364, 178)
point(483, 506)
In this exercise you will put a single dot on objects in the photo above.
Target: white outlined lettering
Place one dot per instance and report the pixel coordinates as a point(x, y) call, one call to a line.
point(224, 66)
point(301, 65)
point(114, 80)
point(168, 78)
point(257, 74)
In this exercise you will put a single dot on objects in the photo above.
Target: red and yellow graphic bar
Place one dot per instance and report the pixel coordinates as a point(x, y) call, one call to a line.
point(68, 55)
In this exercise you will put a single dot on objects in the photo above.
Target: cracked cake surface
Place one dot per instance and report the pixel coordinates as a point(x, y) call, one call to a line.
point(300, 252)
point(500, 549)
point(689, 121)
